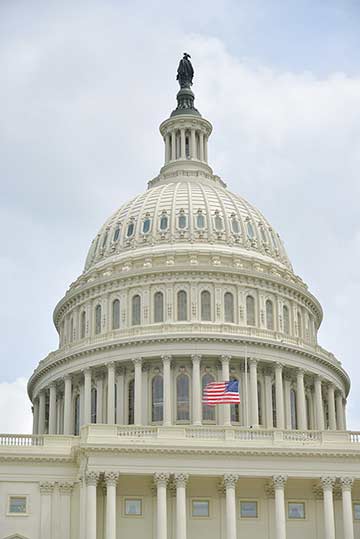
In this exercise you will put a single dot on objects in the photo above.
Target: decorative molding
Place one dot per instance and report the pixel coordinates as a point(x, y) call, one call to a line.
point(346, 483)
point(46, 487)
point(111, 478)
point(230, 480)
point(66, 487)
point(92, 478)
point(327, 482)
point(181, 479)
point(161, 479)
point(279, 481)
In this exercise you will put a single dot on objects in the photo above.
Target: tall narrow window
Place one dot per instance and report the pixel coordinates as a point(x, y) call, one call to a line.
point(200, 221)
point(235, 225)
point(82, 324)
point(159, 307)
point(205, 305)
point(163, 222)
point(234, 408)
point(250, 231)
point(93, 404)
point(135, 310)
point(116, 314)
point(157, 387)
point(187, 147)
point(182, 221)
point(218, 222)
point(293, 409)
point(250, 311)
point(130, 229)
point(286, 320)
point(299, 324)
point(273, 397)
point(131, 402)
point(146, 225)
point(182, 305)
point(269, 314)
point(208, 412)
point(259, 403)
point(77, 415)
point(98, 319)
point(182, 398)
point(229, 307)
point(307, 404)
point(116, 233)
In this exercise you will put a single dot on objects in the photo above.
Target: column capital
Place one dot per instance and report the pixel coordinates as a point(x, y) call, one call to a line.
point(92, 478)
point(327, 482)
point(110, 365)
point(346, 483)
point(279, 481)
point(137, 361)
point(111, 478)
point(225, 358)
point(230, 480)
point(166, 358)
point(252, 362)
point(300, 372)
point(161, 478)
point(52, 385)
point(67, 377)
point(279, 366)
point(181, 479)
point(66, 487)
point(86, 370)
point(46, 487)
point(196, 358)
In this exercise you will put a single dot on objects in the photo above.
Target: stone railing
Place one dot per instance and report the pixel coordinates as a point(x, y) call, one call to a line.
point(21, 440)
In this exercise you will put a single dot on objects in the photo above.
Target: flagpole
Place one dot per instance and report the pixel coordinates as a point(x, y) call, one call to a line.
point(246, 391)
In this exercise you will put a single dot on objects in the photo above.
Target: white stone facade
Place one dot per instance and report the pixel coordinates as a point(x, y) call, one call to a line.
point(185, 284)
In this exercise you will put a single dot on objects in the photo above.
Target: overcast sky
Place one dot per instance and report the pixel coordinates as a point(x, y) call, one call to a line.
point(84, 87)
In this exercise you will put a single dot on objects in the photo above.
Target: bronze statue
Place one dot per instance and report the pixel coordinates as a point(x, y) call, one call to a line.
point(185, 72)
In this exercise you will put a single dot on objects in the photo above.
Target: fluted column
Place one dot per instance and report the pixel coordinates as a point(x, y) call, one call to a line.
point(339, 411)
point(67, 405)
point(287, 402)
point(196, 389)
point(201, 137)
point(87, 396)
point(120, 416)
point(193, 144)
point(254, 404)
point(268, 399)
point(52, 409)
point(182, 143)
point(280, 519)
point(42, 400)
point(91, 483)
point(319, 407)
point(331, 407)
point(111, 393)
point(46, 490)
point(300, 400)
point(36, 417)
point(138, 390)
point(181, 480)
point(173, 146)
point(279, 394)
point(327, 484)
point(167, 148)
point(65, 491)
point(99, 398)
point(230, 481)
point(167, 389)
point(110, 481)
point(161, 481)
point(225, 368)
point(348, 523)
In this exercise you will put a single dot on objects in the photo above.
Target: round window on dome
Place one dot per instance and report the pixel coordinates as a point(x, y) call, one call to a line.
point(146, 225)
point(164, 222)
point(200, 221)
point(130, 229)
point(182, 221)
point(250, 231)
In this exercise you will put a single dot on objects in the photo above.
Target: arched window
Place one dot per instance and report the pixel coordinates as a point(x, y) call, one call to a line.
point(182, 221)
point(131, 402)
point(164, 222)
point(135, 310)
point(250, 311)
point(146, 225)
point(182, 305)
point(293, 414)
point(157, 394)
point(130, 229)
point(205, 305)
point(93, 404)
point(82, 324)
point(182, 398)
point(77, 415)
point(116, 233)
point(208, 412)
point(200, 221)
point(98, 319)
point(116, 314)
point(218, 222)
point(269, 314)
point(299, 324)
point(286, 320)
point(250, 231)
point(234, 408)
point(159, 307)
point(273, 397)
point(260, 416)
point(229, 307)
point(235, 225)
point(263, 235)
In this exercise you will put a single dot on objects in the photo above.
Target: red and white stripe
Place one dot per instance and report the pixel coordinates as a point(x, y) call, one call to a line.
point(215, 393)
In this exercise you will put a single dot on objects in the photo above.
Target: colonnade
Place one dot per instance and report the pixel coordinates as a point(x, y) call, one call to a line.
point(179, 482)
point(54, 406)
point(186, 143)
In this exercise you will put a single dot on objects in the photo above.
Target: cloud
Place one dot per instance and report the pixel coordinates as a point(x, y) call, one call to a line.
point(16, 416)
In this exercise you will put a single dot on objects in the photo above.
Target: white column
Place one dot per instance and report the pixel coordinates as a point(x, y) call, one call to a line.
point(225, 372)
point(167, 389)
point(99, 398)
point(348, 522)
point(67, 405)
point(331, 407)
point(161, 480)
point(193, 144)
point(182, 143)
point(205, 149)
point(120, 396)
point(36, 417)
point(52, 409)
point(230, 481)
point(167, 148)
point(201, 137)
point(280, 519)
point(110, 480)
point(87, 396)
point(339, 411)
point(173, 146)
point(268, 399)
point(344, 413)
point(300, 400)
point(91, 483)
point(287, 403)
point(329, 523)
point(46, 490)
point(82, 508)
point(111, 393)
point(279, 396)
point(254, 405)
point(181, 480)
point(65, 490)
point(138, 390)
point(319, 408)
point(196, 389)
point(42, 399)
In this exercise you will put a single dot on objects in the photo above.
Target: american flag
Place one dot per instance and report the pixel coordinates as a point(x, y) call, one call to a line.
point(221, 393)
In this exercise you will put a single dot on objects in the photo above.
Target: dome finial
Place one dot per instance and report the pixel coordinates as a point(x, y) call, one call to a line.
point(185, 96)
